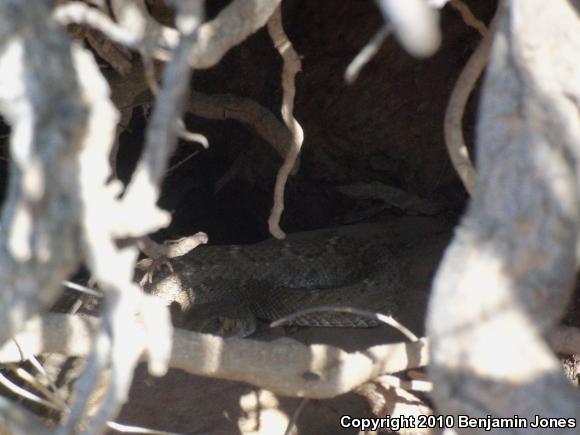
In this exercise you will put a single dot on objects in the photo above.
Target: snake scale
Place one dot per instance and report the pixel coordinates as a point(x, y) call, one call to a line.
point(345, 266)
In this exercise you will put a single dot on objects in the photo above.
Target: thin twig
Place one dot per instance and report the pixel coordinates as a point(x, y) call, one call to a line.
point(366, 54)
point(181, 162)
point(151, 79)
point(124, 428)
point(58, 396)
point(161, 136)
point(291, 66)
point(295, 416)
point(36, 384)
point(81, 13)
point(244, 110)
point(453, 124)
point(388, 320)
point(83, 289)
point(120, 339)
point(468, 16)
point(190, 136)
point(19, 391)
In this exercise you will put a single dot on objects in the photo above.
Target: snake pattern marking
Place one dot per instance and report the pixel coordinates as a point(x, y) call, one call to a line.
point(350, 266)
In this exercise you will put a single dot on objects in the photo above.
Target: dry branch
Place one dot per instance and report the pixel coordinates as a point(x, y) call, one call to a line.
point(230, 27)
point(366, 54)
point(504, 281)
point(112, 53)
point(138, 30)
point(468, 16)
point(247, 111)
point(283, 366)
point(63, 123)
point(237, 21)
point(131, 91)
point(60, 206)
point(116, 344)
point(453, 124)
point(80, 13)
point(40, 99)
point(291, 66)
point(160, 140)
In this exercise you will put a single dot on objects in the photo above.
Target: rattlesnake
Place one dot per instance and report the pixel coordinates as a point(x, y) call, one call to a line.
point(344, 266)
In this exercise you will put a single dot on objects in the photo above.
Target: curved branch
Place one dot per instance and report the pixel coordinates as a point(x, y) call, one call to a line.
point(453, 127)
point(468, 16)
point(237, 21)
point(291, 66)
point(40, 98)
point(316, 371)
point(247, 111)
point(505, 279)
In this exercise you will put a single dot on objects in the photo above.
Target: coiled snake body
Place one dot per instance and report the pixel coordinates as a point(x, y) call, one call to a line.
point(348, 266)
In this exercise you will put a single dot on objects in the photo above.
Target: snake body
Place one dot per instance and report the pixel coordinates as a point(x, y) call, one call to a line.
point(350, 266)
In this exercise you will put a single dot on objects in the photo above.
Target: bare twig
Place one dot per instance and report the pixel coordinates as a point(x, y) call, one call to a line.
point(131, 91)
point(159, 254)
point(38, 243)
point(33, 382)
point(160, 140)
point(111, 268)
point(80, 13)
point(366, 54)
point(295, 416)
point(190, 136)
point(453, 127)
point(151, 80)
point(247, 111)
point(181, 162)
point(82, 289)
point(25, 394)
point(387, 320)
point(53, 393)
point(115, 55)
point(291, 67)
point(231, 26)
point(124, 428)
point(468, 16)
point(121, 339)
point(171, 248)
